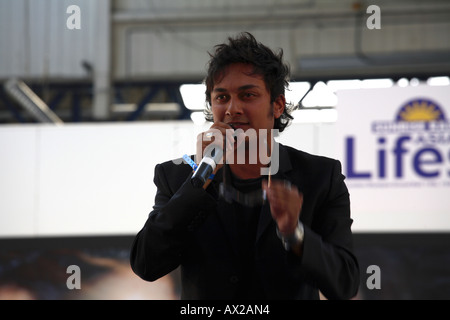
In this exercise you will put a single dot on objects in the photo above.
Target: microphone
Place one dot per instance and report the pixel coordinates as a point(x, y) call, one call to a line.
point(212, 155)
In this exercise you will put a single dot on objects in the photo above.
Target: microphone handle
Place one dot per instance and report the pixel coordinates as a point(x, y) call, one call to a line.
point(206, 167)
point(202, 173)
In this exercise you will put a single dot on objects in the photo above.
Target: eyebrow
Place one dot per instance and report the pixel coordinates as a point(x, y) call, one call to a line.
point(242, 88)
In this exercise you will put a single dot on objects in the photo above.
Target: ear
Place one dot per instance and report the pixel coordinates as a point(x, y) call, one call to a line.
point(278, 106)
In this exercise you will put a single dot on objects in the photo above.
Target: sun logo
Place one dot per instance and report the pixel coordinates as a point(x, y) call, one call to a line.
point(420, 110)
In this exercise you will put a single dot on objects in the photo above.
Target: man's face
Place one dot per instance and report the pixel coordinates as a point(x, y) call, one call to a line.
point(242, 100)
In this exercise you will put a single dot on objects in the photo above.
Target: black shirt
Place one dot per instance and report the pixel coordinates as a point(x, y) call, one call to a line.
point(247, 218)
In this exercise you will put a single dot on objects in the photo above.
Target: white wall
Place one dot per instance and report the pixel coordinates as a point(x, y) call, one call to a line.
point(80, 179)
point(96, 179)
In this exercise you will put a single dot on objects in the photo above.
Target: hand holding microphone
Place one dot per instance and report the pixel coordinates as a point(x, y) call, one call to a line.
point(210, 148)
point(212, 156)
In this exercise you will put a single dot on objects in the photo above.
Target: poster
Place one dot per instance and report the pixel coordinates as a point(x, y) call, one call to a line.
point(394, 144)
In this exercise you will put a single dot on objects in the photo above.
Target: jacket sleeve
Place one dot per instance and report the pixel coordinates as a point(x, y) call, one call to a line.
point(327, 248)
point(159, 247)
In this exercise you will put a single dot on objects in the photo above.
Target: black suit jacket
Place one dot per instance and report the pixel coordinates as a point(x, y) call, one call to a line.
point(193, 228)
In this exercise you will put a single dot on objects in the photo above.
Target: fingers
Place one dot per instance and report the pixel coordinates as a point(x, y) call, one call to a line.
point(279, 189)
point(220, 134)
point(285, 204)
point(279, 194)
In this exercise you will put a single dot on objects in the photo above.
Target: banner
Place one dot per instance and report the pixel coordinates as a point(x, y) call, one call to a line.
point(394, 144)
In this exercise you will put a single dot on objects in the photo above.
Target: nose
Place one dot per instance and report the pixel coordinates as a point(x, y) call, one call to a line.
point(233, 108)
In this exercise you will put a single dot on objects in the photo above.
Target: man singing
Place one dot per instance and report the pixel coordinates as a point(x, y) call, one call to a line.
point(256, 229)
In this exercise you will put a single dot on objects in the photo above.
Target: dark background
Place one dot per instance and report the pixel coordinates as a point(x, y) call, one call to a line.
point(412, 266)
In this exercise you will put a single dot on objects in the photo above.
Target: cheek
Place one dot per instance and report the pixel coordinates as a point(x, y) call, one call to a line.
point(218, 113)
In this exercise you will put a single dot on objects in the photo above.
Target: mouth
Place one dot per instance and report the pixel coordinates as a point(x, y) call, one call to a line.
point(238, 125)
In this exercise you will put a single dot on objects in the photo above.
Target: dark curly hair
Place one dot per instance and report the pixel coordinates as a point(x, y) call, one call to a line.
point(245, 49)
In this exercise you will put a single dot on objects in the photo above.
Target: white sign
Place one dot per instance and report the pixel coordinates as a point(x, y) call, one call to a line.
point(395, 149)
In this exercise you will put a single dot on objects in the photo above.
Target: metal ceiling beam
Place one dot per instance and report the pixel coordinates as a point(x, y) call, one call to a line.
point(203, 17)
point(20, 92)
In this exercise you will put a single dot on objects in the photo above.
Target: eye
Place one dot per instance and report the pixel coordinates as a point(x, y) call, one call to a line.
point(221, 98)
point(248, 95)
